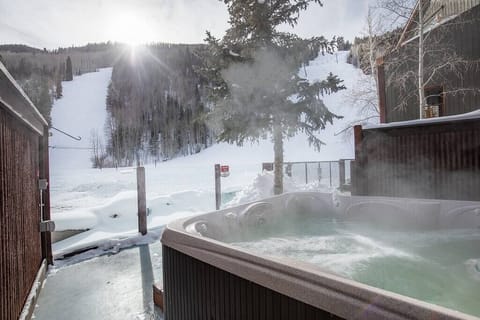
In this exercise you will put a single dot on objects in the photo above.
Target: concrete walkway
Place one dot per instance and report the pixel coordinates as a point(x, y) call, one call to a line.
point(115, 286)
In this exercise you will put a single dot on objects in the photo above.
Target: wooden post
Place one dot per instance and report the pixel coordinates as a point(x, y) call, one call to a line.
point(306, 173)
point(341, 173)
point(353, 177)
point(158, 299)
point(330, 168)
point(358, 136)
point(382, 98)
point(218, 188)
point(142, 201)
point(44, 173)
point(360, 187)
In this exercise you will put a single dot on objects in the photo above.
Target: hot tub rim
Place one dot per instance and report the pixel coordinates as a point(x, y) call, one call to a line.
point(302, 281)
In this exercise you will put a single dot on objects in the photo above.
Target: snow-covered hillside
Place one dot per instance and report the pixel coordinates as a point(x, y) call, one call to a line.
point(81, 111)
point(104, 201)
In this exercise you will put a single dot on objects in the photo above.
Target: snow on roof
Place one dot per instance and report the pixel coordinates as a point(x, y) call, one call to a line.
point(465, 116)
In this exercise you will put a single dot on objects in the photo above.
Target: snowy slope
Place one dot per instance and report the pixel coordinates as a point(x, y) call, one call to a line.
point(105, 200)
point(80, 111)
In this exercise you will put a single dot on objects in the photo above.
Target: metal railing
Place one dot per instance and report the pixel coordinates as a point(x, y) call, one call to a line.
point(329, 173)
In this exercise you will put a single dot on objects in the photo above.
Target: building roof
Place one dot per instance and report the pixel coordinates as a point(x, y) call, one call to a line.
point(436, 12)
point(14, 99)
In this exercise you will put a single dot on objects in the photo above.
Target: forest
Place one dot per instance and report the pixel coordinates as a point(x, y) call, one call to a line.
point(156, 106)
point(40, 72)
point(158, 100)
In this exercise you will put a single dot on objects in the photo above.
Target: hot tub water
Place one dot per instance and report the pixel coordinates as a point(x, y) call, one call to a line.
point(436, 266)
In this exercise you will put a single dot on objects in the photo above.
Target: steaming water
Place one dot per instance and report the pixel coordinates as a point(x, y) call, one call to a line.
point(440, 267)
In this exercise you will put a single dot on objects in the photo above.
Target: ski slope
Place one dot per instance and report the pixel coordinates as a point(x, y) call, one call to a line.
point(104, 201)
point(79, 112)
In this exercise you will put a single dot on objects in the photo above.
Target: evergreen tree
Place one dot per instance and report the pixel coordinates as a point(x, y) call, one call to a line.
point(254, 82)
point(68, 71)
point(58, 88)
point(43, 100)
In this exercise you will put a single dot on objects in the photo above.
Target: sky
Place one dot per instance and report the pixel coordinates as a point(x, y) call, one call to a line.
point(61, 23)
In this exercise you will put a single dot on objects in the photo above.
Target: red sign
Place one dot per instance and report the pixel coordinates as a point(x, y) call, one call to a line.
point(224, 171)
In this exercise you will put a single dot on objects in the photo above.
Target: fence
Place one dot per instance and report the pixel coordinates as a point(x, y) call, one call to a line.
point(435, 160)
point(23, 160)
point(329, 173)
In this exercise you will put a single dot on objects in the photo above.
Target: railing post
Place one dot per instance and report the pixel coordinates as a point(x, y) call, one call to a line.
point(218, 188)
point(319, 172)
point(142, 201)
point(330, 168)
point(306, 173)
point(341, 173)
point(359, 182)
point(44, 171)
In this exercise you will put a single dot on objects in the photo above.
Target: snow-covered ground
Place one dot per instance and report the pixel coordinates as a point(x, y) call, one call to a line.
point(104, 201)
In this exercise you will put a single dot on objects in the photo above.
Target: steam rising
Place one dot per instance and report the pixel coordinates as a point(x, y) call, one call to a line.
point(253, 85)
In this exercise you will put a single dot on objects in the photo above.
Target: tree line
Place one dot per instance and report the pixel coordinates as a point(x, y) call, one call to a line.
point(165, 100)
point(40, 72)
point(156, 106)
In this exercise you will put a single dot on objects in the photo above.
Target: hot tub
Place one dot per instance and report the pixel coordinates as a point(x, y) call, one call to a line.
point(317, 256)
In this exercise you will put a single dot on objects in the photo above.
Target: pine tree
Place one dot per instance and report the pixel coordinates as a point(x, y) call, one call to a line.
point(68, 71)
point(254, 82)
point(44, 100)
point(58, 88)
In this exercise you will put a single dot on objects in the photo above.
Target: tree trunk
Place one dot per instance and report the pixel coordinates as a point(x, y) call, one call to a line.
point(421, 92)
point(278, 152)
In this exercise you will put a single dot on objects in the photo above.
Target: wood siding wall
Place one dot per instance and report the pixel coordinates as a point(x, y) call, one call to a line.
point(436, 161)
point(451, 7)
point(458, 38)
point(20, 243)
point(197, 290)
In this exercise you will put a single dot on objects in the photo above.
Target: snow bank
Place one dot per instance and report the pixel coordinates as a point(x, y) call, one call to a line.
point(117, 219)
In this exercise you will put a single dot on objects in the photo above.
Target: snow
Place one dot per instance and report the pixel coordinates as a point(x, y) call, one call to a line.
point(104, 201)
point(465, 116)
point(80, 111)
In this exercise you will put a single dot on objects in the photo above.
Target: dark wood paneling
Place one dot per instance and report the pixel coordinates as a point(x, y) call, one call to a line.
point(459, 40)
point(20, 243)
point(196, 290)
point(435, 161)
point(382, 98)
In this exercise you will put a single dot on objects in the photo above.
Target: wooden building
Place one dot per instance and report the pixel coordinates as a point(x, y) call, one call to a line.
point(429, 158)
point(451, 58)
point(24, 200)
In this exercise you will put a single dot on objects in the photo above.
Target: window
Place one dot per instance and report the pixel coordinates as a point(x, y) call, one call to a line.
point(435, 102)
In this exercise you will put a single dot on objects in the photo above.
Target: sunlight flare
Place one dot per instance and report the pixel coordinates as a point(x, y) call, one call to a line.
point(126, 27)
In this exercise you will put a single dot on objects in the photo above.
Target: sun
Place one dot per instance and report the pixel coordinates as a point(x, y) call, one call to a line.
point(130, 29)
